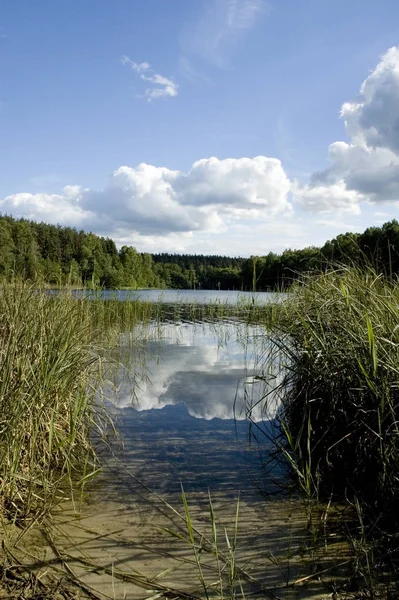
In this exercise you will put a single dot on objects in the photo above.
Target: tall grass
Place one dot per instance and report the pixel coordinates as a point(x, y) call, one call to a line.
point(339, 332)
point(48, 364)
point(125, 314)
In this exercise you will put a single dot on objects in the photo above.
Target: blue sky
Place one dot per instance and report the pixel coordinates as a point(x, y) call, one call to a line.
point(207, 126)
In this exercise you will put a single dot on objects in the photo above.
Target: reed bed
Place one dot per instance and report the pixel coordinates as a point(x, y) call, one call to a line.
point(54, 357)
point(53, 347)
point(52, 350)
point(49, 362)
point(126, 314)
point(339, 334)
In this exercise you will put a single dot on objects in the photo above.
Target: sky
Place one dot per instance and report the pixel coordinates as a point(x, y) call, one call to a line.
point(233, 127)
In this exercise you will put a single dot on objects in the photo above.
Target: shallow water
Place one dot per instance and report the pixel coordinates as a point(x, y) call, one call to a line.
point(187, 402)
point(191, 401)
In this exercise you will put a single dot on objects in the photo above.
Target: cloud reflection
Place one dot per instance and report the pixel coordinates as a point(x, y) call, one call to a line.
point(209, 369)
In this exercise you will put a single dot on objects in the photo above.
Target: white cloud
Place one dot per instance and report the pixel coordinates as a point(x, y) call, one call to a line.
point(374, 119)
point(144, 199)
point(162, 87)
point(221, 26)
point(138, 67)
point(327, 198)
point(51, 208)
point(373, 172)
point(246, 183)
point(367, 168)
point(247, 200)
point(155, 202)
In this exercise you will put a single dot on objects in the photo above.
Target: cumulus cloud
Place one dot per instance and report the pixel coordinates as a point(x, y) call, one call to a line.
point(143, 199)
point(325, 198)
point(161, 87)
point(158, 207)
point(156, 201)
point(367, 168)
point(374, 118)
point(236, 182)
point(52, 208)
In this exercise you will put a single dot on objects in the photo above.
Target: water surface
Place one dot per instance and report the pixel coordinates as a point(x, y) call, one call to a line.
point(183, 296)
point(191, 403)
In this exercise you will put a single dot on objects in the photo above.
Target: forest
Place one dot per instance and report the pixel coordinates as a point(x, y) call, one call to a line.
point(61, 256)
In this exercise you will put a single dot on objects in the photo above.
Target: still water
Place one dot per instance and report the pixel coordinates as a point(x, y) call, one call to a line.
point(183, 296)
point(194, 407)
point(192, 398)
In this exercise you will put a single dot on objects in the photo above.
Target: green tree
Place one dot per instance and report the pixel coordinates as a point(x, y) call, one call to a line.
point(7, 250)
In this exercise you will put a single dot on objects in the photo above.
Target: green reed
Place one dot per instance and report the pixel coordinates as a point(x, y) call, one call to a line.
point(54, 354)
point(53, 348)
point(126, 314)
point(49, 361)
point(339, 334)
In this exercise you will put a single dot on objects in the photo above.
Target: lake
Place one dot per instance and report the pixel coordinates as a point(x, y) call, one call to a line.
point(192, 401)
point(183, 296)
point(188, 401)
point(189, 404)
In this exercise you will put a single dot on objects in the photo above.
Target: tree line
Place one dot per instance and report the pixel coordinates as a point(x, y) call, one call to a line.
point(63, 255)
point(378, 246)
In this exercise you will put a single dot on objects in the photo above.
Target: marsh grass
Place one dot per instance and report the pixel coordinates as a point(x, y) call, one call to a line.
point(339, 335)
point(49, 362)
point(54, 357)
point(126, 314)
point(53, 352)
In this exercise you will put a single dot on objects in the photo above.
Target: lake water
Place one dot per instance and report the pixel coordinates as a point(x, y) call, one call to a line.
point(183, 296)
point(189, 403)
point(192, 399)
point(194, 406)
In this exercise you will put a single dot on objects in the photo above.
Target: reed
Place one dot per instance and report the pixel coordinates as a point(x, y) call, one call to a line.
point(49, 361)
point(125, 315)
point(52, 353)
point(339, 334)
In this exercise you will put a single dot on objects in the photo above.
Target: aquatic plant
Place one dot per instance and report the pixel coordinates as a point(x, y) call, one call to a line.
point(339, 332)
point(49, 362)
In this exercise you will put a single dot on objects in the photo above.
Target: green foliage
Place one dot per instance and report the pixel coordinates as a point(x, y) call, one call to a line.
point(184, 271)
point(378, 246)
point(64, 256)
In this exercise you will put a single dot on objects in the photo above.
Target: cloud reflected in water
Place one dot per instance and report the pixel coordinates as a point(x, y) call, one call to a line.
point(212, 371)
